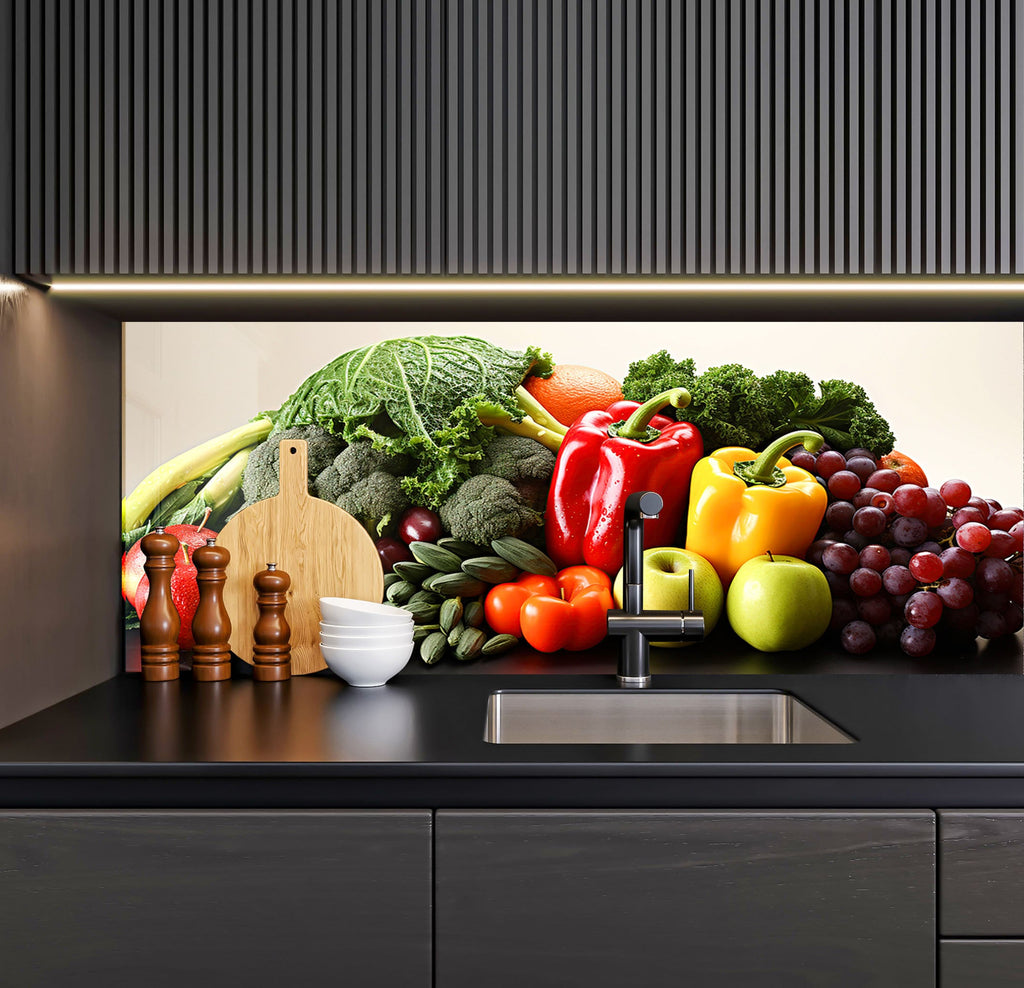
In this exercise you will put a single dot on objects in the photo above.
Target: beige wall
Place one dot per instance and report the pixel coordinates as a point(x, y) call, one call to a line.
point(953, 392)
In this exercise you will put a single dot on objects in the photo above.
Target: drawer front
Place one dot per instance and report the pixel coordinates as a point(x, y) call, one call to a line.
point(981, 963)
point(981, 873)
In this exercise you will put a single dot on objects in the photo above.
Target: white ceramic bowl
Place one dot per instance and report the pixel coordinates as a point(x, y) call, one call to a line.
point(367, 641)
point(366, 630)
point(362, 666)
point(348, 612)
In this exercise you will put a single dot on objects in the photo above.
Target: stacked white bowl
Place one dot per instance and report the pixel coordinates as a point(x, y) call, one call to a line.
point(362, 642)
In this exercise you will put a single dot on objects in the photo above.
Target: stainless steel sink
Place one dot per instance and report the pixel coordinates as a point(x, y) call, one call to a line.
point(655, 717)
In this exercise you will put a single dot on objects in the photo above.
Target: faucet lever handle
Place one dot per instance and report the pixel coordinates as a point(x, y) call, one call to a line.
point(689, 584)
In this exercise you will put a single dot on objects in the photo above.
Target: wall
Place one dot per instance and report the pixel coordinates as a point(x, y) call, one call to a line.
point(60, 373)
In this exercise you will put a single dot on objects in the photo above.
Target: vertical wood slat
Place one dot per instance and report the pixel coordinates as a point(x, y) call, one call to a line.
point(516, 136)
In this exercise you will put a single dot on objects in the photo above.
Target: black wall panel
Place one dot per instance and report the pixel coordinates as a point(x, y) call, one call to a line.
point(519, 136)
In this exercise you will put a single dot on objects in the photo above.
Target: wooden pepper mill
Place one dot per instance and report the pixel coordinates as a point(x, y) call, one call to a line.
point(159, 624)
point(211, 626)
point(271, 652)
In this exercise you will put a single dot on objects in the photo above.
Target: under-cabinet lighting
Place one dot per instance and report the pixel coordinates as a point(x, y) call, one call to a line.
point(555, 285)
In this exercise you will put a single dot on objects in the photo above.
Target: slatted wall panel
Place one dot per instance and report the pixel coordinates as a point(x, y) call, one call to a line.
point(519, 136)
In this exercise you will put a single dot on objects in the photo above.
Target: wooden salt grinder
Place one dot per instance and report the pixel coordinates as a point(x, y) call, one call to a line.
point(211, 626)
point(271, 651)
point(159, 624)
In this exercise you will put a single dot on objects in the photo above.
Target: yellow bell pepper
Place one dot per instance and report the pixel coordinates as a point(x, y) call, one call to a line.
point(743, 504)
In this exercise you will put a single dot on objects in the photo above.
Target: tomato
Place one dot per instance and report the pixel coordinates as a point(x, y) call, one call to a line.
point(502, 606)
point(548, 623)
point(572, 579)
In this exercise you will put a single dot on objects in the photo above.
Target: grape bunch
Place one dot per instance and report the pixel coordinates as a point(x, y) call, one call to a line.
point(909, 564)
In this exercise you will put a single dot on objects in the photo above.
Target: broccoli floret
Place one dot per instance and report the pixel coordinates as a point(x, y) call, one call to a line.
point(376, 501)
point(358, 460)
point(516, 458)
point(485, 508)
point(261, 472)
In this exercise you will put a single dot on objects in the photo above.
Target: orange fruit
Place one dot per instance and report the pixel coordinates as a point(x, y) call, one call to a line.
point(572, 390)
point(909, 471)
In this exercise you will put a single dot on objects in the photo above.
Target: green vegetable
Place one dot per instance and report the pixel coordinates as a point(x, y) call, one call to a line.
point(732, 406)
point(438, 559)
point(516, 458)
point(433, 647)
point(261, 472)
point(470, 644)
point(499, 644)
point(412, 571)
point(376, 501)
point(485, 508)
point(526, 557)
point(450, 614)
point(530, 420)
point(197, 462)
point(218, 495)
point(490, 569)
point(417, 396)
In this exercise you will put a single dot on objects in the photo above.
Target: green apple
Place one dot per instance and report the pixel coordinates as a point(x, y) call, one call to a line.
point(667, 586)
point(779, 603)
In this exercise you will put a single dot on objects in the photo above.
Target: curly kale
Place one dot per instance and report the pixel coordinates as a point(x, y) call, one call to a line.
point(377, 501)
point(733, 406)
point(260, 479)
point(485, 508)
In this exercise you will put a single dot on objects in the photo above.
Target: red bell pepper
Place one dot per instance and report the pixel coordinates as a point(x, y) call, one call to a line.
point(553, 612)
point(602, 460)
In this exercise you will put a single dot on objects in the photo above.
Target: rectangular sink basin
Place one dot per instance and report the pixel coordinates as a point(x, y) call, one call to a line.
point(655, 717)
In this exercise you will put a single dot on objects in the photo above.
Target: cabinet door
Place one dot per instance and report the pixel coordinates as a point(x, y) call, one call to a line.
point(214, 898)
point(981, 963)
point(982, 868)
point(668, 898)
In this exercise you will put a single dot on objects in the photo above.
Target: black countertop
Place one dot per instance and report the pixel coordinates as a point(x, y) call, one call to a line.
point(948, 732)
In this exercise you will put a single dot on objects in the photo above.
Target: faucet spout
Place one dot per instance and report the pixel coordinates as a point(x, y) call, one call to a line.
point(635, 626)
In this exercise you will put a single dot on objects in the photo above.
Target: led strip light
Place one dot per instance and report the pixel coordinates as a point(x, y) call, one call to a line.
point(532, 286)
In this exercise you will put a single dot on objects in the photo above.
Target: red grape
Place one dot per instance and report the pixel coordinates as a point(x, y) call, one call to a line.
point(829, 463)
point(854, 538)
point(392, 551)
point(974, 537)
point(865, 582)
point(917, 642)
point(1002, 520)
point(864, 496)
point(858, 637)
point(901, 556)
point(884, 480)
point(840, 558)
point(963, 618)
point(963, 516)
point(859, 451)
point(993, 504)
point(844, 611)
point(956, 493)
point(911, 500)
point(1014, 618)
point(981, 504)
point(869, 521)
point(843, 484)
point(994, 575)
point(908, 532)
point(884, 502)
point(935, 511)
point(838, 584)
point(955, 593)
point(898, 580)
point(991, 624)
point(816, 549)
point(862, 466)
point(923, 609)
point(804, 460)
point(875, 557)
point(1017, 531)
point(926, 566)
point(957, 562)
point(839, 515)
point(875, 610)
point(1003, 544)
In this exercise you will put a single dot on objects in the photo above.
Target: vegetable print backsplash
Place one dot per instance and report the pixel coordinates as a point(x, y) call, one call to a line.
point(511, 447)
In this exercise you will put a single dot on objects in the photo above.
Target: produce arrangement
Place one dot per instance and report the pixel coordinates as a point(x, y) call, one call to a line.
point(492, 482)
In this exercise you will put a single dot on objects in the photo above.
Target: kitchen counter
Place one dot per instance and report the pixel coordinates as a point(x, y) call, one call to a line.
point(941, 738)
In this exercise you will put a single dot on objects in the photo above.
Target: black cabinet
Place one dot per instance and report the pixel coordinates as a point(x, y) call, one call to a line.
point(981, 963)
point(162, 898)
point(698, 898)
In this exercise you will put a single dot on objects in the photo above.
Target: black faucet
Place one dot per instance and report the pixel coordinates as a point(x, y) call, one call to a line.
point(633, 624)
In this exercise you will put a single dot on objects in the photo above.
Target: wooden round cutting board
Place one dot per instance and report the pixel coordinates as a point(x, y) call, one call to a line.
point(325, 550)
